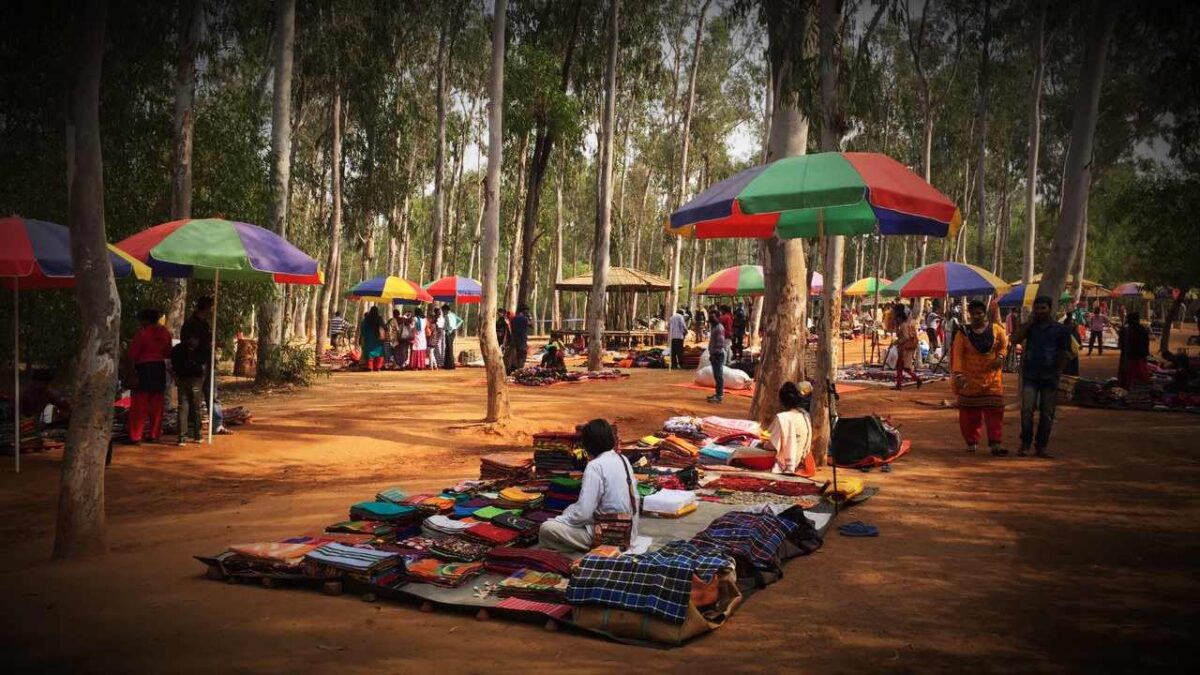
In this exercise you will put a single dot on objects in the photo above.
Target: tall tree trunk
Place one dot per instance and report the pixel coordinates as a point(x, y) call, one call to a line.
point(600, 246)
point(1035, 139)
point(489, 345)
point(329, 291)
point(515, 253)
point(1077, 177)
point(270, 314)
point(685, 136)
point(191, 26)
point(440, 161)
point(1080, 262)
point(982, 116)
point(80, 526)
point(556, 306)
point(831, 289)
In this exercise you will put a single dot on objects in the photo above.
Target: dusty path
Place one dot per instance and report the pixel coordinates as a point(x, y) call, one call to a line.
point(1085, 563)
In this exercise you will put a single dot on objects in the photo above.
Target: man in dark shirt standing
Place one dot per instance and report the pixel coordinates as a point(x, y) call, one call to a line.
point(518, 339)
point(1047, 348)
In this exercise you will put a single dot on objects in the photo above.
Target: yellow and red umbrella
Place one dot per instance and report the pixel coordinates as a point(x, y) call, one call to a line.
point(743, 280)
point(388, 289)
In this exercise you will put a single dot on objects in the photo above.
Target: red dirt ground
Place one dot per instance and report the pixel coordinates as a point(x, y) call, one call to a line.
point(1083, 563)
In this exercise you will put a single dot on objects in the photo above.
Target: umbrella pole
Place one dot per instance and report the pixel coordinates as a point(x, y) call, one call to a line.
point(212, 357)
point(16, 379)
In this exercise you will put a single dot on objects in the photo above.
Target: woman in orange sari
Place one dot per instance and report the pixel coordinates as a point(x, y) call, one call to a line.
point(976, 366)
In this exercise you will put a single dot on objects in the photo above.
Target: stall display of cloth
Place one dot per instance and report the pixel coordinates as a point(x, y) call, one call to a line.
point(506, 560)
point(753, 536)
point(445, 574)
point(459, 549)
point(786, 488)
point(533, 585)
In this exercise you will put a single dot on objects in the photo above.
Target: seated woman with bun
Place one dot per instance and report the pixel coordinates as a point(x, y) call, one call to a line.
point(791, 432)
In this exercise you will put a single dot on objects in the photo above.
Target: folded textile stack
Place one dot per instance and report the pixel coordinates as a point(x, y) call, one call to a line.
point(506, 466)
point(377, 567)
point(716, 427)
point(1140, 397)
point(536, 376)
point(683, 427)
point(658, 583)
point(470, 506)
point(669, 503)
point(506, 560)
point(534, 585)
point(711, 453)
point(273, 557)
point(489, 512)
point(557, 440)
point(459, 549)
point(753, 536)
point(614, 529)
point(439, 524)
point(540, 516)
point(492, 535)
point(526, 529)
point(786, 488)
point(420, 543)
point(445, 574)
point(561, 493)
point(394, 495)
point(671, 478)
point(516, 498)
point(677, 452)
point(374, 528)
point(384, 512)
point(431, 503)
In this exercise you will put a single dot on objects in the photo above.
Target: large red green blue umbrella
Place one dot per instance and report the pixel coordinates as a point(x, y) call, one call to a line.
point(203, 248)
point(388, 289)
point(743, 280)
point(459, 290)
point(946, 279)
point(1023, 295)
point(35, 254)
point(844, 193)
point(866, 286)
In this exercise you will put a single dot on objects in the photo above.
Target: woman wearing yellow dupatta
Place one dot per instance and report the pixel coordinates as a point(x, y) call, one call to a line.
point(976, 365)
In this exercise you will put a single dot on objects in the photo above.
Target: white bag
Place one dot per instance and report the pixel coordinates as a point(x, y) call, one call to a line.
point(734, 379)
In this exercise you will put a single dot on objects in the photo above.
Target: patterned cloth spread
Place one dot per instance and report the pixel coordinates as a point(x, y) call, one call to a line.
point(516, 523)
point(458, 549)
point(755, 536)
point(751, 484)
point(489, 512)
point(350, 558)
point(658, 583)
point(289, 554)
point(450, 575)
point(491, 535)
point(506, 560)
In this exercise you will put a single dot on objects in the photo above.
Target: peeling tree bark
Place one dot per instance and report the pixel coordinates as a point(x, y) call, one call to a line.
point(489, 345)
point(191, 26)
point(596, 308)
point(328, 302)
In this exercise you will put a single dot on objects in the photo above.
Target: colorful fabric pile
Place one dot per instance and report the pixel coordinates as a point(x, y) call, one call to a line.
point(506, 467)
point(394, 495)
point(491, 535)
point(437, 525)
point(534, 585)
point(675, 451)
point(561, 493)
point(506, 560)
point(526, 529)
point(756, 537)
point(274, 557)
point(376, 567)
point(684, 427)
point(459, 549)
point(430, 503)
point(669, 503)
point(468, 507)
point(786, 488)
point(536, 376)
point(516, 498)
point(558, 453)
point(717, 427)
point(385, 512)
point(373, 528)
point(444, 574)
point(489, 512)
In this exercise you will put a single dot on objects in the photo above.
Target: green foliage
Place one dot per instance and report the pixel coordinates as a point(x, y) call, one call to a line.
point(291, 364)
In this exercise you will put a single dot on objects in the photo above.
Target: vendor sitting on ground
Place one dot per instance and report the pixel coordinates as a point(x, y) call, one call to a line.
point(791, 432)
point(608, 487)
point(553, 358)
point(39, 394)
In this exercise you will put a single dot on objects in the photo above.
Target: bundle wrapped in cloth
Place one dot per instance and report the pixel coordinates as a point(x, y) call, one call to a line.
point(684, 427)
point(272, 557)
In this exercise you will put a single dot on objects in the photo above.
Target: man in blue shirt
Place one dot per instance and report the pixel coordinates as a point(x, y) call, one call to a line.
point(1047, 347)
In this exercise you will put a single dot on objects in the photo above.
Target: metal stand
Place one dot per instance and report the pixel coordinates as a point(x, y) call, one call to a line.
point(833, 420)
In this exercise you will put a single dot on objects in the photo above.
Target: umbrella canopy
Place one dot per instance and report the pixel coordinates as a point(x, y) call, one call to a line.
point(1023, 296)
point(619, 279)
point(743, 280)
point(831, 192)
point(866, 286)
point(459, 290)
point(202, 248)
point(946, 279)
point(385, 289)
point(1090, 288)
point(35, 254)
point(1129, 289)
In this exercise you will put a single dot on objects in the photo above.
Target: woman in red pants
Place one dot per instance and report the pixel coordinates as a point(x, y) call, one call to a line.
point(977, 366)
point(148, 354)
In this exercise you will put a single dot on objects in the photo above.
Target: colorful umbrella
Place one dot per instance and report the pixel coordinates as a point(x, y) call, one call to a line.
point(207, 247)
point(866, 286)
point(804, 196)
point(743, 280)
point(1090, 288)
point(1023, 296)
point(36, 255)
point(215, 248)
point(459, 290)
point(1129, 289)
point(387, 289)
point(946, 279)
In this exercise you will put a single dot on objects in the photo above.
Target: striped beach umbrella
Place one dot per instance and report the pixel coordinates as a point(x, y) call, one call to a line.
point(389, 289)
point(843, 193)
point(743, 280)
point(208, 248)
point(1021, 295)
point(946, 279)
point(866, 286)
point(459, 290)
point(35, 254)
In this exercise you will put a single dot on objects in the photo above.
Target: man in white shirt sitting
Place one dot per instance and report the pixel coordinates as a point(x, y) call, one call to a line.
point(608, 487)
point(678, 331)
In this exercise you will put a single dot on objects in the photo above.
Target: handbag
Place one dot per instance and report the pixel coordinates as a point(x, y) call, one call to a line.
point(616, 529)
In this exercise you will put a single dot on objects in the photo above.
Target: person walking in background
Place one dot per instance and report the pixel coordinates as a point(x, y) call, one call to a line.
point(371, 335)
point(716, 356)
point(392, 331)
point(1096, 325)
point(699, 323)
point(337, 328)
point(187, 364)
point(677, 331)
point(739, 331)
point(436, 332)
point(1046, 350)
point(977, 372)
point(404, 340)
point(148, 355)
point(518, 339)
point(906, 346)
point(933, 322)
point(199, 325)
point(453, 324)
point(502, 333)
point(420, 341)
point(1135, 351)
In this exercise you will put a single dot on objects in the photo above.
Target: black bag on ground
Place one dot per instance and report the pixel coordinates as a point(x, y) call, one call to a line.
point(856, 438)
